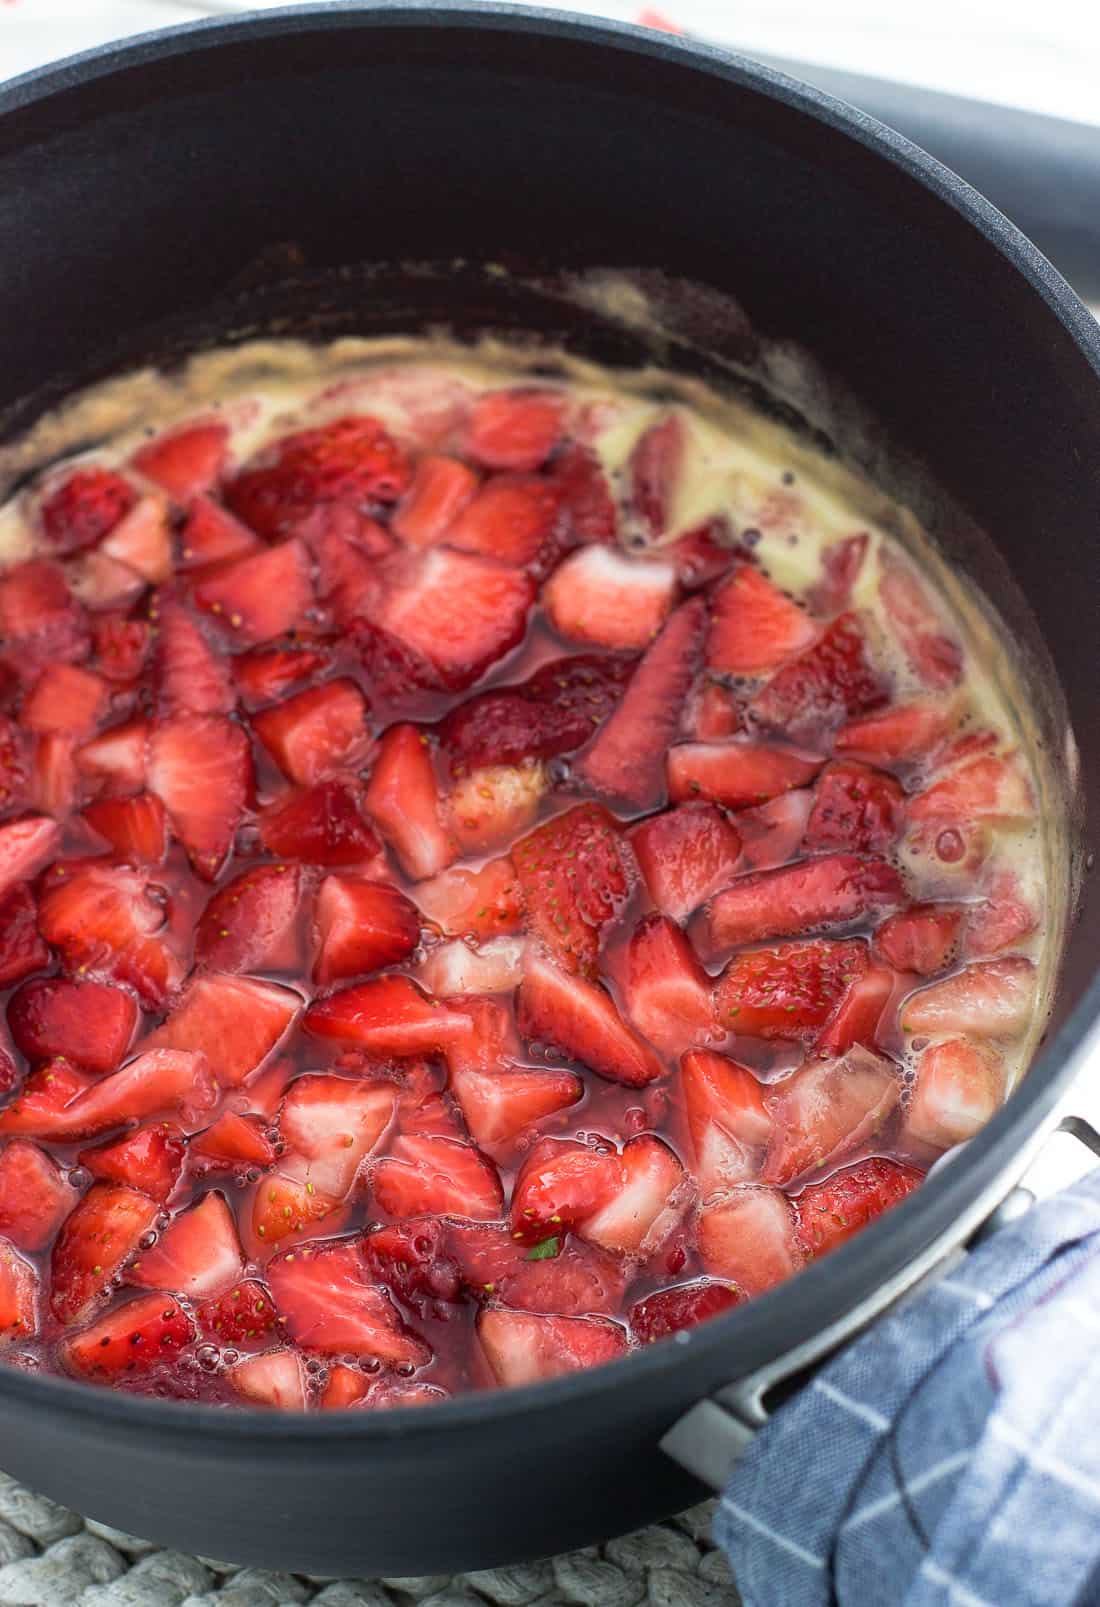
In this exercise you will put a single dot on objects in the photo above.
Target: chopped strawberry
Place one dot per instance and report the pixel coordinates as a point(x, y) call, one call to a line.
point(346, 571)
point(828, 1109)
point(242, 1317)
point(200, 767)
point(107, 922)
point(25, 846)
point(19, 1297)
point(512, 518)
point(1003, 918)
point(192, 677)
point(575, 876)
point(236, 1021)
point(576, 1281)
point(579, 1018)
point(321, 825)
point(626, 758)
point(586, 508)
point(922, 938)
point(40, 1106)
point(829, 1213)
point(96, 1240)
point(715, 713)
point(22, 947)
point(702, 555)
point(411, 1259)
point(685, 855)
point(133, 1338)
point(399, 677)
point(362, 926)
point(266, 674)
point(142, 541)
point(603, 596)
point(959, 1087)
point(35, 1196)
point(841, 566)
point(118, 758)
point(88, 1023)
point(276, 1378)
point(187, 461)
point(561, 1184)
point(65, 699)
point(902, 731)
point(102, 584)
point(789, 991)
point(441, 487)
point(315, 734)
point(670, 1311)
point(84, 508)
point(986, 788)
point(935, 655)
point(552, 713)
point(39, 617)
point(259, 597)
point(749, 1236)
point(150, 1159)
point(832, 890)
point(211, 535)
point(402, 799)
point(736, 774)
point(501, 1104)
point(991, 999)
point(514, 429)
point(328, 1303)
point(754, 627)
point(59, 1102)
point(480, 904)
point(524, 1348)
point(649, 1195)
point(667, 993)
point(251, 923)
point(488, 1041)
point(389, 1015)
point(486, 808)
point(234, 1143)
point(831, 682)
point(121, 646)
point(198, 1254)
point(14, 766)
point(728, 1120)
point(855, 807)
point(655, 467)
point(494, 966)
point(136, 829)
point(346, 1386)
point(329, 1125)
point(437, 1176)
point(284, 1207)
point(859, 1012)
point(349, 460)
point(55, 775)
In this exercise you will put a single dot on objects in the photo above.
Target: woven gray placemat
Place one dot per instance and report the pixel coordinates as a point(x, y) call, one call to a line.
point(51, 1557)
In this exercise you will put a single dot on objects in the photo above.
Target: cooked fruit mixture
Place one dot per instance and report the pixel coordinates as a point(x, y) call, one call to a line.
point(495, 870)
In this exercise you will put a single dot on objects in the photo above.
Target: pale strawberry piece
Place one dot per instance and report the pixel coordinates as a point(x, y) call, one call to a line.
point(494, 966)
point(322, 825)
point(361, 926)
point(990, 999)
point(579, 1018)
point(514, 429)
point(960, 1086)
point(89, 1023)
point(136, 1337)
point(119, 757)
point(402, 799)
point(524, 1348)
point(986, 788)
point(728, 1119)
point(330, 1125)
point(923, 938)
point(149, 1158)
point(489, 807)
point(328, 1304)
point(96, 1240)
point(441, 487)
point(1002, 919)
point(855, 807)
point(831, 890)
point(748, 1235)
point(192, 678)
point(932, 651)
point(860, 1012)
point(830, 683)
point(736, 774)
point(211, 535)
point(142, 541)
point(389, 1015)
point(259, 597)
point(772, 833)
point(25, 846)
point(685, 855)
point(275, 1378)
point(754, 627)
point(576, 874)
point(106, 922)
point(135, 829)
point(501, 1104)
point(480, 904)
point(102, 584)
point(829, 1213)
point(827, 1111)
point(714, 713)
point(235, 1021)
point(841, 566)
point(65, 699)
point(656, 464)
point(35, 1196)
point(902, 731)
point(512, 518)
point(438, 1176)
point(200, 767)
point(252, 922)
point(316, 733)
point(667, 994)
point(198, 1254)
point(39, 616)
point(19, 1297)
point(55, 774)
point(186, 461)
point(602, 596)
point(650, 1194)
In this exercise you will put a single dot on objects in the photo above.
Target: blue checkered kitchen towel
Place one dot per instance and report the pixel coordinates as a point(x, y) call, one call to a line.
point(950, 1457)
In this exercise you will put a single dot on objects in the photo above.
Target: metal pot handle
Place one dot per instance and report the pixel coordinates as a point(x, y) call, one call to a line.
point(716, 1432)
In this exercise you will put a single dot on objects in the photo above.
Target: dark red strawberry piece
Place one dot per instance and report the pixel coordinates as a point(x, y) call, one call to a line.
point(749, 1236)
point(39, 617)
point(402, 799)
point(586, 508)
point(121, 646)
point(464, 903)
point(89, 1023)
point(235, 1021)
point(322, 825)
point(579, 1018)
point(150, 1159)
point(65, 699)
point(96, 1240)
point(192, 678)
point(440, 489)
point(106, 921)
point(361, 926)
point(855, 807)
point(832, 682)
point(670, 1311)
point(328, 1303)
point(736, 774)
point(922, 938)
point(15, 766)
point(198, 1253)
point(827, 1110)
point(136, 829)
point(390, 1015)
point(703, 555)
point(959, 1087)
point(933, 653)
point(789, 991)
point(234, 1143)
point(667, 994)
point(603, 596)
point(211, 535)
point(685, 855)
point(524, 1348)
point(829, 1213)
point(350, 460)
point(267, 674)
point(411, 1259)
point(187, 461)
point(256, 598)
point(860, 1012)
point(398, 675)
point(576, 1281)
point(243, 1318)
point(200, 766)
point(84, 508)
point(513, 429)
point(251, 924)
point(35, 1197)
point(655, 466)
point(832, 890)
point(841, 566)
point(346, 573)
point(754, 627)
point(552, 713)
point(512, 517)
point(22, 947)
point(136, 1337)
point(576, 874)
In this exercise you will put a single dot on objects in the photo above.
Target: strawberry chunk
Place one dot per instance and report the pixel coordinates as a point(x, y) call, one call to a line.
point(200, 767)
point(749, 1236)
point(494, 966)
point(85, 507)
point(554, 712)
point(859, 1012)
point(437, 1176)
point(243, 1317)
point(685, 855)
point(329, 1125)
point(1003, 918)
point(322, 825)
point(22, 947)
point(40, 1105)
point(501, 1104)
point(656, 464)
point(670, 1311)
point(402, 799)
point(479, 904)
point(191, 677)
point(259, 597)
point(56, 1101)
point(150, 1159)
point(400, 678)
point(187, 461)
point(234, 1143)
point(361, 926)
point(25, 846)
point(575, 875)
point(198, 1254)
point(514, 429)
point(855, 807)
point(728, 1120)
point(211, 535)
point(736, 774)
point(441, 487)
point(487, 808)
point(579, 1018)
point(121, 646)
point(827, 1110)
point(561, 1184)
point(987, 788)
point(832, 890)
point(118, 758)
point(667, 993)
point(904, 731)
point(512, 518)
point(102, 584)
point(328, 1303)
point(702, 555)
point(649, 1195)
point(35, 1196)
point(411, 1259)
point(107, 923)
point(276, 1378)
point(65, 699)
point(789, 991)
point(626, 758)
point(754, 627)
point(829, 1213)
point(841, 566)
point(55, 777)
point(586, 508)
point(715, 713)
point(389, 1015)
point(134, 1338)
point(316, 733)
point(284, 1207)
point(960, 1086)
point(922, 938)
point(831, 682)
point(932, 652)
point(266, 674)
point(14, 766)
point(89, 1023)
point(235, 1021)
point(135, 829)
point(251, 924)
point(602, 596)
point(142, 541)
point(96, 1240)
point(351, 460)
point(572, 1282)
point(39, 616)
point(991, 999)
point(19, 1297)
point(524, 1348)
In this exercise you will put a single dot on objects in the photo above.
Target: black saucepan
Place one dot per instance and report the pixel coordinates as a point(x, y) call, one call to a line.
point(229, 178)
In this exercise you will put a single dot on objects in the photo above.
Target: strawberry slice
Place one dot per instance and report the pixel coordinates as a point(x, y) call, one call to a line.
point(829, 1213)
point(667, 994)
point(22, 948)
point(210, 535)
point(991, 999)
point(728, 1120)
point(561, 1184)
point(118, 758)
point(402, 799)
point(575, 875)
point(187, 461)
point(512, 518)
point(251, 924)
point(329, 1126)
point(523, 1348)
point(259, 597)
point(277, 1378)
point(426, 1176)
point(234, 1143)
point(316, 733)
point(552, 713)
point(389, 1015)
point(243, 1317)
point(25, 846)
point(236, 1021)
point(479, 904)
point(754, 627)
point(626, 758)
point(736, 774)
point(586, 508)
point(826, 1110)
point(749, 1236)
point(960, 1086)
point(1003, 918)
point(65, 699)
point(987, 788)
point(670, 1311)
point(39, 616)
point(39, 1107)
point(121, 646)
point(859, 1012)
point(56, 1101)
point(656, 464)
point(96, 1240)
point(714, 713)
point(488, 807)
point(135, 829)
point(55, 777)
point(579, 1018)
point(935, 655)
point(89, 1023)
point(321, 825)
point(500, 1104)
point(35, 1196)
point(789, 991)
point(602, 596)
point(200, 767)
point(855, 807)
point(904, 731)
point(831, 682)
point(350, 460)
point(18, 1297)
point(134, 1338)
point(440, 489)
point(832, 890)
point(142, 541)
point(514, 429)
point(841, 566)
point(361, 926)
point(198, 1254)
point(650, 1194)
point(704, 554)
point(266, 674)
point(922, 938)
point(328, 1303)
point(85, 507)
point(494, 966)
point(192, 678)
point(107, 923)
point(685, 855)
point(150, 1159)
